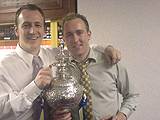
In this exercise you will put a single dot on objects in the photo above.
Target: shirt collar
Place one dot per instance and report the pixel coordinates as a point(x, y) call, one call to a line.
point(91, 56)
point(27, 57)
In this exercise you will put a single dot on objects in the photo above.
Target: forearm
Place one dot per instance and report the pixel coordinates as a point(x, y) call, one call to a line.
point(17, 101)
point(129, 105)
point(129, 92)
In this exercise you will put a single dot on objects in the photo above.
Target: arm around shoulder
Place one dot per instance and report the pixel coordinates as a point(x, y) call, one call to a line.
point(112, 55)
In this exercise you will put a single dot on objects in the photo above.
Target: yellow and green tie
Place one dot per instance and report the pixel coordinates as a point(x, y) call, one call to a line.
point(88, 114)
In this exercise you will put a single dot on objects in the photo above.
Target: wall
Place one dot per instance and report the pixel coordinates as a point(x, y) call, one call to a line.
point(133, 26)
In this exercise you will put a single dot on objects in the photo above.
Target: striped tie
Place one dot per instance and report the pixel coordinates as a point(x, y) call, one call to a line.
point(88, 115)
point(38, 102)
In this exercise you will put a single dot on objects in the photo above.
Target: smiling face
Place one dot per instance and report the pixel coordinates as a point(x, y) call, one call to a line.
point(30, 30)
point(77, 38)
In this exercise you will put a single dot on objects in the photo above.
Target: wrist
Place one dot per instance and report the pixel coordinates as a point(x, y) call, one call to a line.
point(36, 83)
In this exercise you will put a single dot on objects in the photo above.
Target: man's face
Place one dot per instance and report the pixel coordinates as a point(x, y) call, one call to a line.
point(77, 37)
point(30, 30)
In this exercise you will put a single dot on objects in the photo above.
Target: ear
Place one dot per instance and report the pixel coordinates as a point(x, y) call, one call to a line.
point(16, 31)
point(89, 34)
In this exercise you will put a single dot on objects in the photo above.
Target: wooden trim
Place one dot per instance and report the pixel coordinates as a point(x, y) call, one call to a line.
point(14, 42)
point(53, 9)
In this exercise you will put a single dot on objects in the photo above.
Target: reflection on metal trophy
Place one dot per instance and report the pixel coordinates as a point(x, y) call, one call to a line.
point(65, 90)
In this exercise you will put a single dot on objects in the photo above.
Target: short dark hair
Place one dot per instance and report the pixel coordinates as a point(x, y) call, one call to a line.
point(72, 16)
point(28, 7)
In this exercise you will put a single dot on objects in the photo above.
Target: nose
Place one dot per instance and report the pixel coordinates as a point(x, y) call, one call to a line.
point(75, 38)
point(32, 30)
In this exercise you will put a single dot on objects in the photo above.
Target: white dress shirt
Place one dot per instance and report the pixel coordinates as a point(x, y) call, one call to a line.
point(17, 88)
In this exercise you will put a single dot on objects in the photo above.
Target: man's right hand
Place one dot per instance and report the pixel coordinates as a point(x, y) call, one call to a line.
point(112, 55)
point(44, 78)
point(62, 114)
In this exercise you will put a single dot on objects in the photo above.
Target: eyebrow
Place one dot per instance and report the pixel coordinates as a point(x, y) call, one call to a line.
point(37, 22)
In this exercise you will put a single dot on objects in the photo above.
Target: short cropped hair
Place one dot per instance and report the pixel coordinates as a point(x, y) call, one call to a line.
point(28, 7)
point(72, 16)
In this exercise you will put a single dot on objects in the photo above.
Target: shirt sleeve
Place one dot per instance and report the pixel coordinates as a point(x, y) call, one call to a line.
point(14, 101)
point(128, 91)
point(98, 48)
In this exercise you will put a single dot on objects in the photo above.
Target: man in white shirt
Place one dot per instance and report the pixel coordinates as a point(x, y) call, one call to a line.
point(18, 89)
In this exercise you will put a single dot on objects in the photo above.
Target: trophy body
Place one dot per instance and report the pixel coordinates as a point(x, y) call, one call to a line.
point(65, 90)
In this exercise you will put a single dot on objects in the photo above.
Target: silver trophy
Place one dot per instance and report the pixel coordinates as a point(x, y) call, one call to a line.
point(65, 90)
